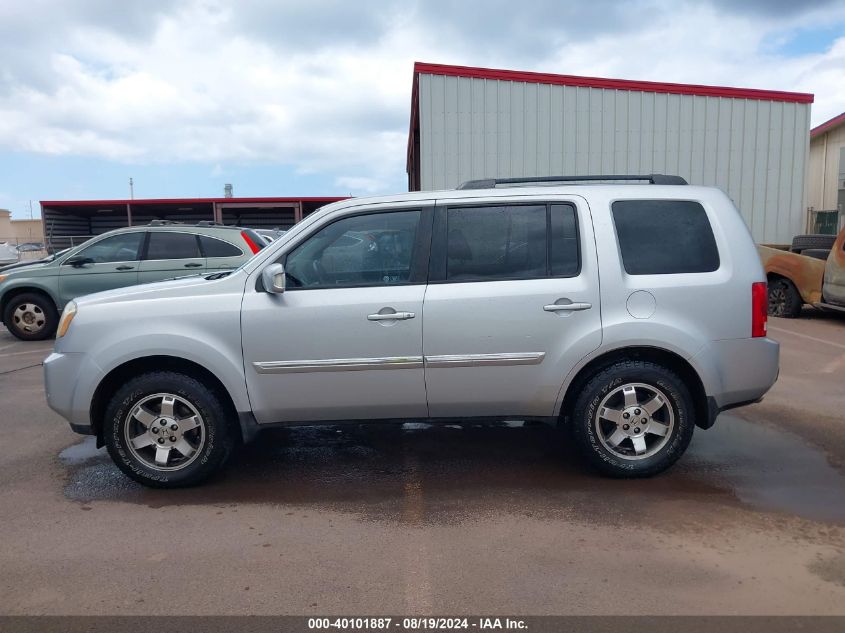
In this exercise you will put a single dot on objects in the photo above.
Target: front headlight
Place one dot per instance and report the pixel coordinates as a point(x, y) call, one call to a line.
point(67, 317)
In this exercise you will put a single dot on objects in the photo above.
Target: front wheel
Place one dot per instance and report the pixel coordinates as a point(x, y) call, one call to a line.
point(167, 430)
point(31, 316)
point(633, 419)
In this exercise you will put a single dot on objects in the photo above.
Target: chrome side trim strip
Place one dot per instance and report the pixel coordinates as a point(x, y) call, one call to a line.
point(480, 360)
point(338, 364)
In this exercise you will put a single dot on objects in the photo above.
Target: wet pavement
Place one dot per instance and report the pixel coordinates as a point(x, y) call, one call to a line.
point(374, 518)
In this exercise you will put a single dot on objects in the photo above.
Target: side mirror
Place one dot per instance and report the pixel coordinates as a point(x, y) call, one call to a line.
point(273, 278)
point(78, 262)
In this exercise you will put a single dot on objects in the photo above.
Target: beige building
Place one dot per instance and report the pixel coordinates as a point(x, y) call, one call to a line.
point(20, 231)
point(826, 176)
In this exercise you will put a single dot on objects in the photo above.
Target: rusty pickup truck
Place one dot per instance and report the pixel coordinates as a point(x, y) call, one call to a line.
point(803, 273)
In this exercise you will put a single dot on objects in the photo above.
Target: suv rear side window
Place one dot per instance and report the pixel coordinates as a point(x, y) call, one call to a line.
point(171, 245)
point(511, 242)
point(662, 237)
point(212, 247)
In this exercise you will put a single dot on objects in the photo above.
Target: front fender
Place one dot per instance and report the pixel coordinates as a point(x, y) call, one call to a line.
point(204, 330)
point(29, 284)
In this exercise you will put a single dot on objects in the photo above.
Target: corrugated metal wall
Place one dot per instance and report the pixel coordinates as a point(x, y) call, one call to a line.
point(754, 150)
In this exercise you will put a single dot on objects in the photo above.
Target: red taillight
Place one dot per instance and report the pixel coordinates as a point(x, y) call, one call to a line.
point(252, 245)
point(759, 308)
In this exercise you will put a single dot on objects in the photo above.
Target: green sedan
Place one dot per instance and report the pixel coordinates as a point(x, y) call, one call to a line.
point(33, 296)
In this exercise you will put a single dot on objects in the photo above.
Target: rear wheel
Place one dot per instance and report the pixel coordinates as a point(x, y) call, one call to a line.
point(167, 430)
point(31, 316)
point(784, 299)
point(633, 419)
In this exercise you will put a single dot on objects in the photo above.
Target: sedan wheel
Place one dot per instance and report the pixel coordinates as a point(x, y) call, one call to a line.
point(29, 318)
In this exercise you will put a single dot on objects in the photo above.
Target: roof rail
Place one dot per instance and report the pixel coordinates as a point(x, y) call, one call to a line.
point(162, 222)
point(491, 183)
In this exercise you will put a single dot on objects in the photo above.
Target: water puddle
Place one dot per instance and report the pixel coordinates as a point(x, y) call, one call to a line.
point(768, 468)
point(467, 471)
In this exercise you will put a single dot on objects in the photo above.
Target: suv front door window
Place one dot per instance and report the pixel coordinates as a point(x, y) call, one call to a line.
point(364, 250)
point(109, 263)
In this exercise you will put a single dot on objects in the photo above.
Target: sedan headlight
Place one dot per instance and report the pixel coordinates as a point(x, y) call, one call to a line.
point(67, 316)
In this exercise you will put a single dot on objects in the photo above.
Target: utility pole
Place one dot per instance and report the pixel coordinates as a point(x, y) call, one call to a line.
point(131, 189)
point(30, 209)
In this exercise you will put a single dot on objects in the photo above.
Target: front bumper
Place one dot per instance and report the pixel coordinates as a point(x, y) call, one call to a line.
point(70, 380)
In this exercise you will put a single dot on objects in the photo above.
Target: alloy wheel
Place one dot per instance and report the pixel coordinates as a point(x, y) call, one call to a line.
point(634, 421)
point(165, 432)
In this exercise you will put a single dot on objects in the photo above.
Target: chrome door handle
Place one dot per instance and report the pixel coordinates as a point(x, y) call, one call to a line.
point(391, 316)
point(567, 307)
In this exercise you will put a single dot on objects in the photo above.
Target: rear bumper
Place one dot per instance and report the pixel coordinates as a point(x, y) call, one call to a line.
point(70, 380)
point(737, 372)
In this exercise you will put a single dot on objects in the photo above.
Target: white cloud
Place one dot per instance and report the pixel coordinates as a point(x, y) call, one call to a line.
point(327, 90)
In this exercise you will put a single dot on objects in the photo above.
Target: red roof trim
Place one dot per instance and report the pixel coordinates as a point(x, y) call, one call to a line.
point(146, 201)
point(828, 125)
point(613, 84)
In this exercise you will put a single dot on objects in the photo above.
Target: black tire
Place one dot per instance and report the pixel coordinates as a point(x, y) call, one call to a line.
point(42, 307)
point(586, 423)
point(817, 240)
point(784, 299)
point(818, 253)
point(211, 453)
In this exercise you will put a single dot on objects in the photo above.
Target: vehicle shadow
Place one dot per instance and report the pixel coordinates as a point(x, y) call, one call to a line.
point(379, 471)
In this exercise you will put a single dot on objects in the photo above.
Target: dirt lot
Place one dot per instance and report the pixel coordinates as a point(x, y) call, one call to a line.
point(465, 519)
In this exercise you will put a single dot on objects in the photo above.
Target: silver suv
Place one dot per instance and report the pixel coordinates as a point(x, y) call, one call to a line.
point(627, 313)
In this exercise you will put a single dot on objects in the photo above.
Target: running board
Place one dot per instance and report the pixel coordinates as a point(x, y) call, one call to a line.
point(828, 306)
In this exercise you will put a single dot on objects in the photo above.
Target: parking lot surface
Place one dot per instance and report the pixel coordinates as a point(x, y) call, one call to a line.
point(460, 519)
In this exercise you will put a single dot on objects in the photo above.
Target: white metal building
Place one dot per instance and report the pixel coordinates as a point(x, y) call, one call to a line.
point(826, 184)
point(469, 123)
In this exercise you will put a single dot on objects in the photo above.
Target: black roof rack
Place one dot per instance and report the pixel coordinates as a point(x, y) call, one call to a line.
point(203, 223)
point(490, 183)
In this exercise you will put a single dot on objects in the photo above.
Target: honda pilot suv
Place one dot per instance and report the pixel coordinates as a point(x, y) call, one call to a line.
point(33, 295)
point(626, 313)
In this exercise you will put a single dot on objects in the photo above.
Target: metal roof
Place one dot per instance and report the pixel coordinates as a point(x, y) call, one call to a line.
point(828, 125)
point(147, 201)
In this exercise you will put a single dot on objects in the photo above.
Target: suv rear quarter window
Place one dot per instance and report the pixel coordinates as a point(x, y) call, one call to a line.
point(213, 247)
point(661, 237)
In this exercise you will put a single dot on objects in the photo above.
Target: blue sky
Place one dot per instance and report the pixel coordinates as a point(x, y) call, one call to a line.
point(312, 98)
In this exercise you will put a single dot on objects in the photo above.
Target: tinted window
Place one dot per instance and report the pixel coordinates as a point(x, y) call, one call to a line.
point(169, 245)
point(664, 237)
point(496, 242)
point(119, 248)
point(363, 250)
point(563, 249)
point(212, 247)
